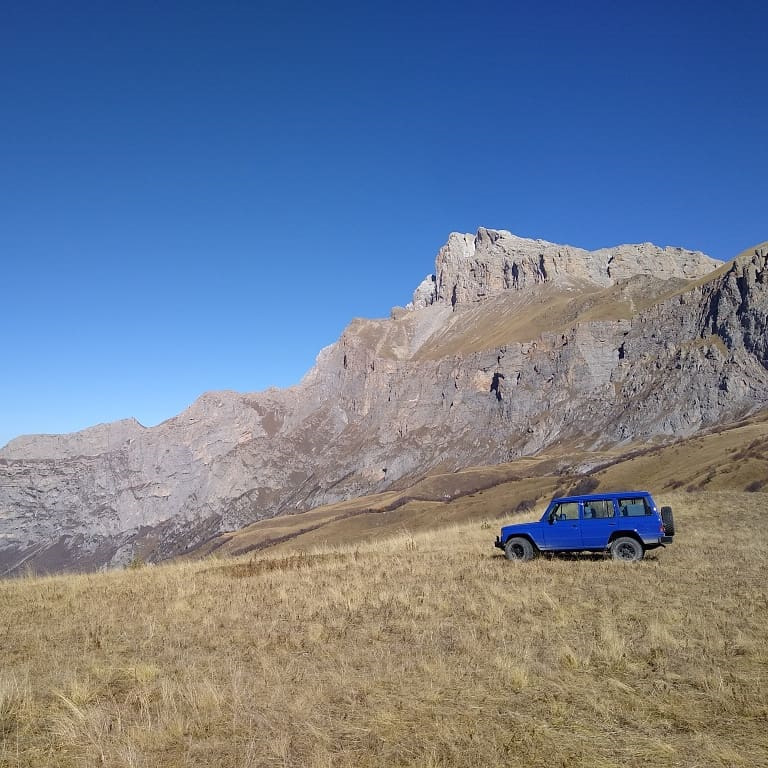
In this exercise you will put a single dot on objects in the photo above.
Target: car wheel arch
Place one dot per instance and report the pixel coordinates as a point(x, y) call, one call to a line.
point(623, 534)
point(525, 536)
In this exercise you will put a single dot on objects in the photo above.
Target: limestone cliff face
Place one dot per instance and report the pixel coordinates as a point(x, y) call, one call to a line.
point(473, 267)
point(513, 346)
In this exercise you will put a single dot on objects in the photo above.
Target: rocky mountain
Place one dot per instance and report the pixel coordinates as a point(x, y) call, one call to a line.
point(511, 346)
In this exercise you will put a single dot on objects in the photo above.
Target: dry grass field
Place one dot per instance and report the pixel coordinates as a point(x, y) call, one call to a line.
point(424, 649)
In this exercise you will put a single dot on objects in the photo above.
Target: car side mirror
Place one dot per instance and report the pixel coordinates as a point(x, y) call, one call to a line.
point(551, 518)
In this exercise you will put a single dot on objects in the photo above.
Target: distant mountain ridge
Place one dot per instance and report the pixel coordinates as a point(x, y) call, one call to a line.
point(512, 346)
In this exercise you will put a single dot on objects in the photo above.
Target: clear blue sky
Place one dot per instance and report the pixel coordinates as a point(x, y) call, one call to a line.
point(199, 196)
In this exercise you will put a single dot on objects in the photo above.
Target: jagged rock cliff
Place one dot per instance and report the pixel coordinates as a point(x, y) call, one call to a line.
point(511, 346)
point(472, 267)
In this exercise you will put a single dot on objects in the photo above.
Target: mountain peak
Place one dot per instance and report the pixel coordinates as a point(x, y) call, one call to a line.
point(472, 267)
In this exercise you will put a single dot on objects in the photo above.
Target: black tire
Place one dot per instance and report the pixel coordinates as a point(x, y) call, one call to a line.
point(519, 548)
point(668, 520)
point(626, 549)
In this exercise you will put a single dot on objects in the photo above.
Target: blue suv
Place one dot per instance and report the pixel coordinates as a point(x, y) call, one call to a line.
point(624, 524)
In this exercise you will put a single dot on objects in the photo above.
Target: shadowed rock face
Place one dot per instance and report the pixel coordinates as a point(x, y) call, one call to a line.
point(513, 345)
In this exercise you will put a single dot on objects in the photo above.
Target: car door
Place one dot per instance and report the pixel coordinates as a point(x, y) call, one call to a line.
point(564, 529)
point(599, 522)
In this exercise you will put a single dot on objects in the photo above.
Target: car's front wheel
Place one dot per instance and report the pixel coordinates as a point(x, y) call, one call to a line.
point(627, 549)
point(518, 548)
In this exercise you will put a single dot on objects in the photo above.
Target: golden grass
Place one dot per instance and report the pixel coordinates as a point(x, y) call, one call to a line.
point(482, 493)
point(733, 458)
point(425, 649)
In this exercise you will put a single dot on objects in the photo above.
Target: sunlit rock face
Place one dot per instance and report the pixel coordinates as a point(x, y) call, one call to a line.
point(473, 267)
point(511, 346)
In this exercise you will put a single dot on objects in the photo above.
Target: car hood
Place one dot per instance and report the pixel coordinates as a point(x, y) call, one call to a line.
point(519, 528)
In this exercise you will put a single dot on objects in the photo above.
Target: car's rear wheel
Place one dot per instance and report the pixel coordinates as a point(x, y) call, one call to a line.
point(668, 520)
point(518, 548)
point(626, 549)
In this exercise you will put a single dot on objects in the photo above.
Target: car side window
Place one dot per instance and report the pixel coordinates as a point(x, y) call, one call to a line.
point(599, 509)
point(567, 510)
point(633, 507)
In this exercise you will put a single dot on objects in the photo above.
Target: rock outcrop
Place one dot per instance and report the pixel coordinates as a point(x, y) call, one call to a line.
point(473, 267)
point(514, 345)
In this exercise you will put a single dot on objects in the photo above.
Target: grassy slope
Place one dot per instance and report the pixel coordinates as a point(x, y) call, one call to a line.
point(735, 458)
point(425, 649)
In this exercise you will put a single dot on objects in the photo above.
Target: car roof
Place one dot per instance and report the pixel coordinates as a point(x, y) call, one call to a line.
point(599, 496)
